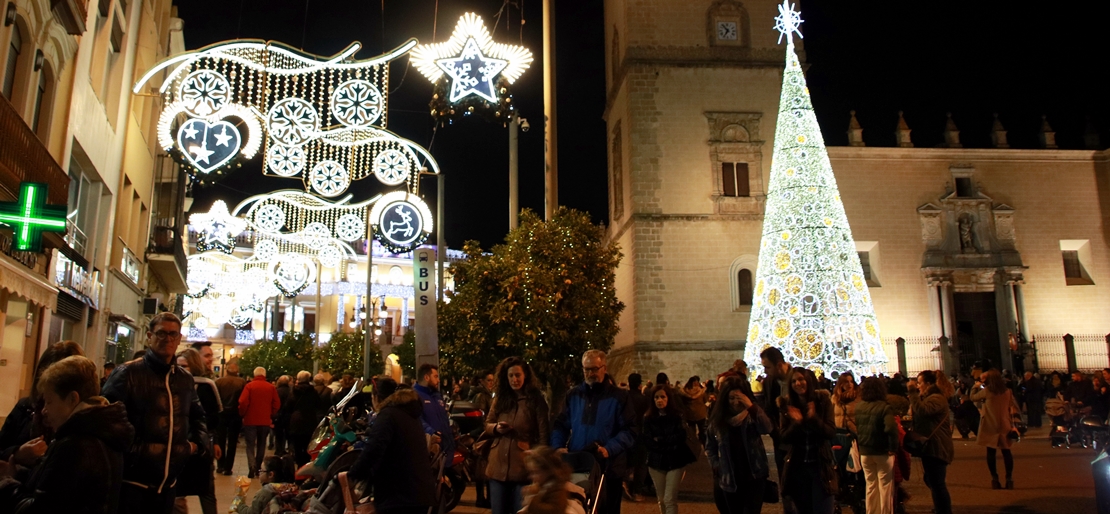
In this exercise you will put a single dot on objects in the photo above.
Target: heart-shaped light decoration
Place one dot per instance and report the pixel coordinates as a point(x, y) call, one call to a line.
point(208, 146)
point(292, 273)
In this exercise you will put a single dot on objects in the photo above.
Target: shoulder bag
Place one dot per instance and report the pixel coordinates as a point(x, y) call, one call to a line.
point(914, 443)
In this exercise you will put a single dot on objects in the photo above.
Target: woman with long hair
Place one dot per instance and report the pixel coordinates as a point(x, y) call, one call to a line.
point(517, 422)
point(845, 396)
point(696, 411)
point(735, 448)
point(808, 426)
point(929, 406)
point(995, 424)
point(664, 435)
point(198, 478)
point(878, 440)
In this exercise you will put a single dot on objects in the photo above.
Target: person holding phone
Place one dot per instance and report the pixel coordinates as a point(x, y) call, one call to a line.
point(517, 422)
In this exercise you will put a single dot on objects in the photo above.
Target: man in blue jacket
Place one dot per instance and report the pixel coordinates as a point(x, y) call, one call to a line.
point(598, 417)
point(435, 418)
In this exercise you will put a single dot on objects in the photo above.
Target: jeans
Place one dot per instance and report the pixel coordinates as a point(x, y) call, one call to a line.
point(505, 497)
point(137, 500)
point(748, 498)
point(666, 489)
point(255, 436)
point(227, 436)
point(879, 473)
point(935, 475)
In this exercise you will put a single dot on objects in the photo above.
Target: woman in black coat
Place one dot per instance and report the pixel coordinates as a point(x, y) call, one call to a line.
point(83, 469)
point(664, 436)
point(305, 412)
point(395, 459)
point(808, 426)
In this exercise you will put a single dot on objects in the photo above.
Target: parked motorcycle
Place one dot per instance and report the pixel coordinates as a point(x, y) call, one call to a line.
point(336, 435)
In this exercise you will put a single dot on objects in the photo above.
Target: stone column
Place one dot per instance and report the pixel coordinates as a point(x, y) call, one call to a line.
point(936, 315)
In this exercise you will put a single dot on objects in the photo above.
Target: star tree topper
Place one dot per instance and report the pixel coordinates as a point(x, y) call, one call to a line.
point(471, 60)
point(788, 21)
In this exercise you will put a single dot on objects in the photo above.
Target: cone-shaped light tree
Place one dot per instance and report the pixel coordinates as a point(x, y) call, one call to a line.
point(811, 299)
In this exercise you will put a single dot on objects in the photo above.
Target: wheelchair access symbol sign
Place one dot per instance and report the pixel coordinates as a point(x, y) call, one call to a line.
point(401, 221)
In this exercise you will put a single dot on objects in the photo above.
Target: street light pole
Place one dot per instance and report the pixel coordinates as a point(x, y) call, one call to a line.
point(441, 244)
point(369, 285)
point(514, 171)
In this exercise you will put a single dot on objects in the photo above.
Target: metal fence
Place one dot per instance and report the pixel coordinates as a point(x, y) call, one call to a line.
point(919, 354)
point(1091, 352)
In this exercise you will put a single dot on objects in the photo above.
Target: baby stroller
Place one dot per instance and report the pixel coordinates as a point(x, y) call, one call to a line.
point(587, 476)
point(853, 487)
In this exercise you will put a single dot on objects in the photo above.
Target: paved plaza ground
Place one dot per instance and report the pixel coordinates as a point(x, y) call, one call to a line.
point(1046, 480)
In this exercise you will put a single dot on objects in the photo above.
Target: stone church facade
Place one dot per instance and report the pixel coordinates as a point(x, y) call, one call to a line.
point(964, 246)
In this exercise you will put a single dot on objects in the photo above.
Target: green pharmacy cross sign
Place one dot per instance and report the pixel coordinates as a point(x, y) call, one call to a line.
point(30, 217)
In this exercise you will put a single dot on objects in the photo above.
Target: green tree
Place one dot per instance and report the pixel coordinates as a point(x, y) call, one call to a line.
point(545, 294)
point(291, 354)
point(406, 354)
point(343, 354)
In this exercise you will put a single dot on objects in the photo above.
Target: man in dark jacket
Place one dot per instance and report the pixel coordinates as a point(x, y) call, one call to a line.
point(281, 422)
point(1033, 397)
point(395, 458)
point(227, 435)
point(305, 410)
point(774, 386)
point(168, 419)
point(436, 420)
point(598, 417)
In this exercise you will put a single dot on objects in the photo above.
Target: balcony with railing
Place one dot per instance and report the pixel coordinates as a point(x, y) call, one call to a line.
point(166, 251)
point(23, 158)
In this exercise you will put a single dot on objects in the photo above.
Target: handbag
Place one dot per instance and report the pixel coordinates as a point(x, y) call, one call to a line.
point(914, 443)
point(770, 491)
point(350, 501)
point(481, 449)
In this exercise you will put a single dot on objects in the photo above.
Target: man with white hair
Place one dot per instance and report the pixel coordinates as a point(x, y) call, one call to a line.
point(258, 404)
point(598, 417)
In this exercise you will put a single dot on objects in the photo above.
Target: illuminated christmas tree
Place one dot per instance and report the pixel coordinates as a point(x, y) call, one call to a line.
point(811, 299)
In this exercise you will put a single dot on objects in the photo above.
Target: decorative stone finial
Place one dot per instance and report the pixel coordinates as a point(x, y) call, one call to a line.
point(1048, 135)
point(998, 134)
point(902, 133)
point(951, 134)
point(855, 132)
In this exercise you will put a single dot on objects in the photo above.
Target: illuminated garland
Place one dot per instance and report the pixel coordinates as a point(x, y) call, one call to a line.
point(445, 112)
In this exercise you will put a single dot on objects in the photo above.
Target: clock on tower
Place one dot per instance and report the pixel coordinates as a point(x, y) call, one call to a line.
point(726, 31)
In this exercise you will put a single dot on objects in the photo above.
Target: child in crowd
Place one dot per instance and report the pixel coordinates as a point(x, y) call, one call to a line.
point(279, 492)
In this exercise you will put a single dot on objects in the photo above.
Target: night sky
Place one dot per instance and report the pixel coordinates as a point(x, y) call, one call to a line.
point(971, 58)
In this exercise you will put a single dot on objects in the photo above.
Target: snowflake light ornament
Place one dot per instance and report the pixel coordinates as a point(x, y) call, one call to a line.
point(329, 178)
point(787, 22)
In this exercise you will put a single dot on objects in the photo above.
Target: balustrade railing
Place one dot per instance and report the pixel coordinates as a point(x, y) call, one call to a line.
point(23, 158)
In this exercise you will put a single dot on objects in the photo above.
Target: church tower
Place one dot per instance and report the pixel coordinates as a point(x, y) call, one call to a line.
point(693, 92)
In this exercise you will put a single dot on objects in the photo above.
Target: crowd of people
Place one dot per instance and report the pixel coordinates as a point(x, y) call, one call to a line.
point(160, 427)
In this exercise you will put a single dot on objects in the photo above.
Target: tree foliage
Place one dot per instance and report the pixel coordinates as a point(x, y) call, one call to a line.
point(406, 354)
point(545, 294)
point(291, 354)
point(343, 354)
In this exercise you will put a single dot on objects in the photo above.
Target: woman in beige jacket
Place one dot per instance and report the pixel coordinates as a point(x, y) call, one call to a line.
point(995, 424)
point(517, 422)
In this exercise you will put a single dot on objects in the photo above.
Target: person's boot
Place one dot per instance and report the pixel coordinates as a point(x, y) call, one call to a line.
point(1009, 483)
point(994, 483)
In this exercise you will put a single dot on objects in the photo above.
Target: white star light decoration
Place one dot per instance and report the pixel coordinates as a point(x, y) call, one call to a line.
point(787, 22)
point(471, 60)
point(218, 228)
